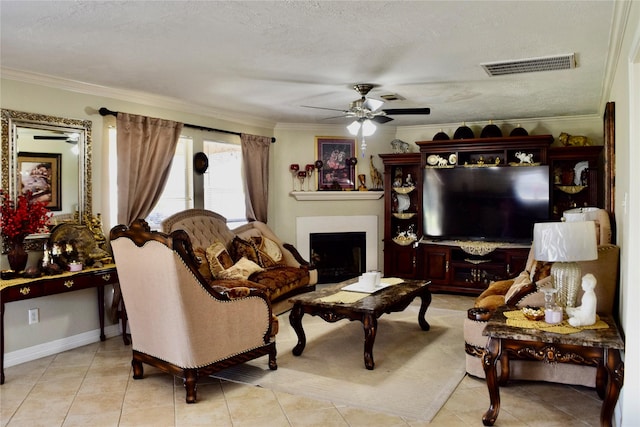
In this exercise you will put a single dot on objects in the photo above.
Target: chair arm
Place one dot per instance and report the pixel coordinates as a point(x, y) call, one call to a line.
point(303, 262)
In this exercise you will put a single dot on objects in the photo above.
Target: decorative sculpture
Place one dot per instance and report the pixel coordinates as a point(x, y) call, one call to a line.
point(376, 176)
point(585, 314)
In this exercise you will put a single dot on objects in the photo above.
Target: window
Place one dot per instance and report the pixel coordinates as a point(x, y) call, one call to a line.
point(178, 191)
point(224, 183)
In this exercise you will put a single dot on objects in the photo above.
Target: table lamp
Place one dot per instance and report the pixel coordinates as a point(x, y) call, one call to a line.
point(564, 243)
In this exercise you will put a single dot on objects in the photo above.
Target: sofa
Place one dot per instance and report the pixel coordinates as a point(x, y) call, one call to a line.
point(248, 256)
point(524, 290)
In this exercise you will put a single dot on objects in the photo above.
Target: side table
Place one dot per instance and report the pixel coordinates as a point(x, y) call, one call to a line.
point(591, 347)
point(22, 289)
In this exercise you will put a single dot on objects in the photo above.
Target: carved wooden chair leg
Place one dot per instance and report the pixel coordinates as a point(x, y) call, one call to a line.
point(190, 384)
point(138, 370)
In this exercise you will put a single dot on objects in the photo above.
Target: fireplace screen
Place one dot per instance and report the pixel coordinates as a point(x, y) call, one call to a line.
point(338, 256)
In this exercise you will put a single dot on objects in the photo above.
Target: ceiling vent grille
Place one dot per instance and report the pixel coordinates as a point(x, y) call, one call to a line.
point(547, 63)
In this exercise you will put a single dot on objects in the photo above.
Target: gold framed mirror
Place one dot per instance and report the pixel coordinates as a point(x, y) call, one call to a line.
point(34, 141)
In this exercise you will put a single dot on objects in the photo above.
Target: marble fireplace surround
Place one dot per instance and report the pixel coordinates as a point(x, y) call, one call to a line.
point(368, 224)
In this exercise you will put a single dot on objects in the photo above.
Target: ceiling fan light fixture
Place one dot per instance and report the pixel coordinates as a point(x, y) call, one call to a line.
point(373, 104)
point(354, 128)
point(368, 128)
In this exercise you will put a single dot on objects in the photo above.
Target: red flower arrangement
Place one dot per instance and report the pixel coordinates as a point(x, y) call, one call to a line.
point(23, 217)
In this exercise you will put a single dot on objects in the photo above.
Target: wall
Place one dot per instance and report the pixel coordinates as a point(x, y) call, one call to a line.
point(625, 92)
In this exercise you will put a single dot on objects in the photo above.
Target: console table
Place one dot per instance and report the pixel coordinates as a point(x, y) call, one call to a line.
point(591, 347)
point(23, 289)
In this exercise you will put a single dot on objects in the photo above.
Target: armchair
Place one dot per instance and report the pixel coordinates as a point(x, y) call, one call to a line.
point(524, 290)
point(179, 324)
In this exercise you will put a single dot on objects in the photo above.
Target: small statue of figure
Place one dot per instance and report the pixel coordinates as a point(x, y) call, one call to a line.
point(362, 179)
point(409, 181)
point(585, 314)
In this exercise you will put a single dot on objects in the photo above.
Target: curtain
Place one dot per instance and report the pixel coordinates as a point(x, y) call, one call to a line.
point(145, 150)
point(255, 159)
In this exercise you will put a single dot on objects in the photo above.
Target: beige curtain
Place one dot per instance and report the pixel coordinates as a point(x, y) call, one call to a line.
point(255, 158)
point(146, 147)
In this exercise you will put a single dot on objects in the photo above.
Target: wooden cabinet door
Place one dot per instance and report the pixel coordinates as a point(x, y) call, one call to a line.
point(400, 261)
point(436, 263)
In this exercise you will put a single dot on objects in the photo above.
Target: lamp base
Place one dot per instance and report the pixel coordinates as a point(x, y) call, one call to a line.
point(566, 279)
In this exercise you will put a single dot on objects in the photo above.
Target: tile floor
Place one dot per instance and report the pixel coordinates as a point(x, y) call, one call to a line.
point(92, 386)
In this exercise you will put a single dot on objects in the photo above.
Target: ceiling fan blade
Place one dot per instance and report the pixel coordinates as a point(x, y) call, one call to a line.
point(381, 119)
point(323, 108)
point(414, 111)
point(372, 104)
point(52, 137)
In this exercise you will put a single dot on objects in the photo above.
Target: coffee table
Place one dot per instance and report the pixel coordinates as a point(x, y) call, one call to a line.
point(367, 310)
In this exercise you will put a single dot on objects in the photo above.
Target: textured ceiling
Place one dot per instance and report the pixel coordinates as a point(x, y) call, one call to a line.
point(266, 59)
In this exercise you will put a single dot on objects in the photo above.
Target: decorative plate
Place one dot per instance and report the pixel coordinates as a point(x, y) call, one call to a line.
point(403, 190)
point(404, 240)
point(453, 159)
point(403, 202)
point(404, 215)
point(200, 162)
point(432, 160)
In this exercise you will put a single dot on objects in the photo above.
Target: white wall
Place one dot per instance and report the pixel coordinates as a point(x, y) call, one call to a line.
point(625, 92)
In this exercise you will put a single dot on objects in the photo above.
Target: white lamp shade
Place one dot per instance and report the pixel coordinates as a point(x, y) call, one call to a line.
point(581, 214)
point(565, 241)
point(368, 128)
point(354, 127)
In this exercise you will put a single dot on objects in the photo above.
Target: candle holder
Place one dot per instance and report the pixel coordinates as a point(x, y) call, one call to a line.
point(309, 169)
point(301, 177)
point(293, 169)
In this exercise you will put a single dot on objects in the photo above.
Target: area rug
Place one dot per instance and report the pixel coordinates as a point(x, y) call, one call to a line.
point(415, 371)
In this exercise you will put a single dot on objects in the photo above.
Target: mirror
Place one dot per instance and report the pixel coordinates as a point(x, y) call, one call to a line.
point(51, 156)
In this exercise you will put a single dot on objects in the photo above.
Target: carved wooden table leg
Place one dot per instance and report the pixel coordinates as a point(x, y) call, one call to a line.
point(615, 371)
point(490, 360)
point(100, 289)
point(2, 342)
point(370, 323)
point(425, 298)
point(295, 320)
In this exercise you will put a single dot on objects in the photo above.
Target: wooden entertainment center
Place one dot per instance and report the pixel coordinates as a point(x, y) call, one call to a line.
point(455, 266)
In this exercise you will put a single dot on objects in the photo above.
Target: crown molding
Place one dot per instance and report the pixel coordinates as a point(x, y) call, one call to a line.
point(137, 97)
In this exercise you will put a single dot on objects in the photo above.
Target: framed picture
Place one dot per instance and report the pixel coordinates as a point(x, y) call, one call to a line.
point(337, 173)
point(40, 173)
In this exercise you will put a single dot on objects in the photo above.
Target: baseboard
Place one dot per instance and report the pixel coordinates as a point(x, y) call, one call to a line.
point(54, 347)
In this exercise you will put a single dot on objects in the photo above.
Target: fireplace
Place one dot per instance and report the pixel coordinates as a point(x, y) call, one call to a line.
point(338, 256)
point(355, 237)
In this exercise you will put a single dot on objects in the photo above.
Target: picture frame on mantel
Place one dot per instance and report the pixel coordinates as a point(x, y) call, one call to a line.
point(40, 173)
point(337, 174)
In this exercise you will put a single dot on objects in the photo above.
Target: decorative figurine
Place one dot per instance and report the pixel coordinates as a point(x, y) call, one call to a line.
point(362, 178)
point(376, 176)
point(585, 314)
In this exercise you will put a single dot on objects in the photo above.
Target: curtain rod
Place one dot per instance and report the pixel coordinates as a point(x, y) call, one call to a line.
point(106, 112)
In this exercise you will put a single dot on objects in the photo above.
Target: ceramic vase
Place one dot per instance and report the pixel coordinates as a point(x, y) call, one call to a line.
point(17, 256)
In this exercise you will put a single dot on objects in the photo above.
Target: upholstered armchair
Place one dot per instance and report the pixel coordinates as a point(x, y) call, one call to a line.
point(524, 290)
point(178, 323)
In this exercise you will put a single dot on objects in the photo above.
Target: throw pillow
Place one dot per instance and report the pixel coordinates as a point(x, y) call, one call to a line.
point(496, 288)
point(244, 248)
point(522, 286)
point(240, 270)
point(218, 258)
point(540, 270)
point(203, 266)
point(269, 251)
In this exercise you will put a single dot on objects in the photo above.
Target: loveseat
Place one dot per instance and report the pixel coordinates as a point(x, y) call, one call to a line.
point(248, 256)
point(523, 291)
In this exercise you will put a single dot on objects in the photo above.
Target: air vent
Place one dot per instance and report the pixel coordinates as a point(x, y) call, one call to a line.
point(392, 97)
point(547, 63)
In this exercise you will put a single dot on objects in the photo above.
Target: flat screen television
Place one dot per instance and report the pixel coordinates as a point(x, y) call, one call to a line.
point(485, 203)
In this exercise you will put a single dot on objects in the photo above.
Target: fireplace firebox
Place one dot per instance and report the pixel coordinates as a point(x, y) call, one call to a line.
point(338, 256)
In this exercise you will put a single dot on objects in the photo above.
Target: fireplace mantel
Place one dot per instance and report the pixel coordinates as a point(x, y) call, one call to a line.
point(336, 195)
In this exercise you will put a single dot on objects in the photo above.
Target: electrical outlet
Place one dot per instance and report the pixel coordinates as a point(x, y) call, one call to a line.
point(34, 316)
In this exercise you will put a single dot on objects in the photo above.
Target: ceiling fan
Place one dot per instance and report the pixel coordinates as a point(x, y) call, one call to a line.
point(70, 138)
point(369, 109)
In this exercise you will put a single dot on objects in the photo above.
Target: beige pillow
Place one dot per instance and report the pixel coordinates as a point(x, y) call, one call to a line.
point(240, 270)
point(218, 258)
point(203, 266)
point(269, 252)
point(522, 286)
